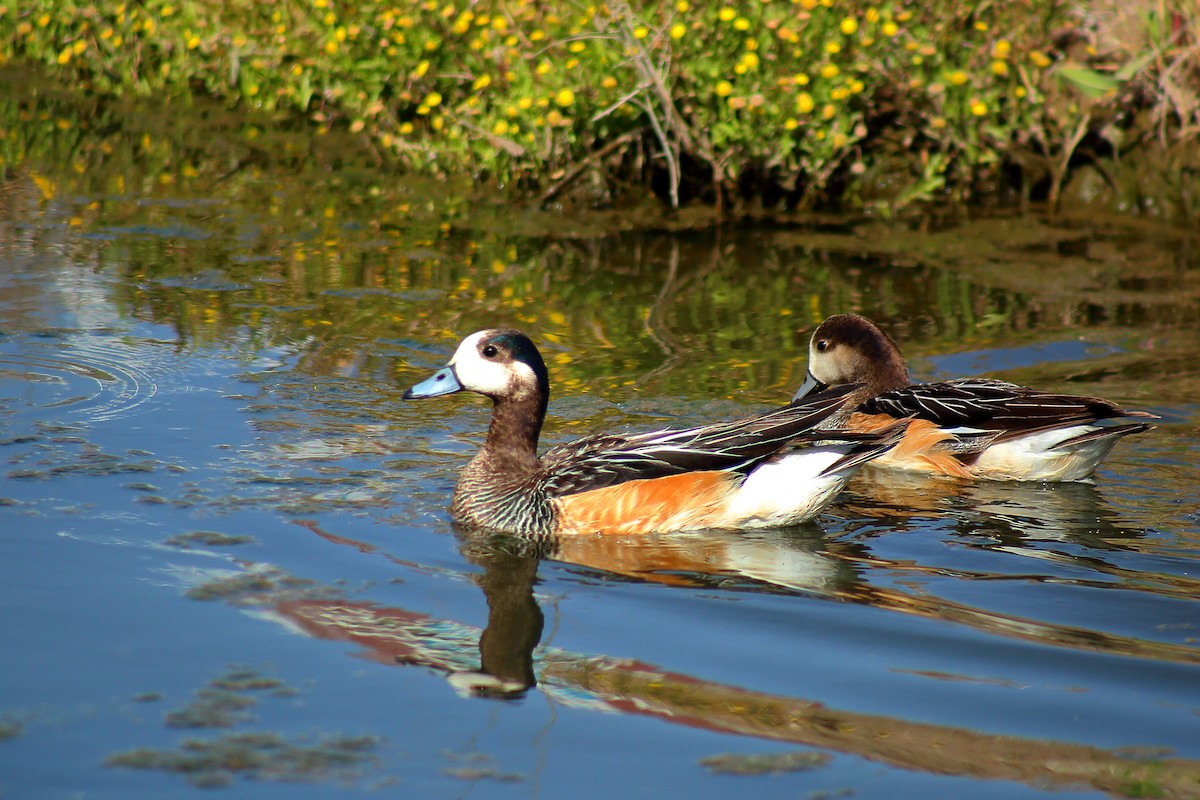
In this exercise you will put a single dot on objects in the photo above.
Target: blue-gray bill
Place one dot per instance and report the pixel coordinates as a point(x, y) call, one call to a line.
point(810, 386)
point(444, 381)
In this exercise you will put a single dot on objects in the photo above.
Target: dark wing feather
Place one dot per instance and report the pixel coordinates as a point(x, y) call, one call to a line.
point(994, 406)
point(606, 460)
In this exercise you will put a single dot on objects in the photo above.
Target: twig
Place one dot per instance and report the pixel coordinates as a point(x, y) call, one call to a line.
point(578, 167)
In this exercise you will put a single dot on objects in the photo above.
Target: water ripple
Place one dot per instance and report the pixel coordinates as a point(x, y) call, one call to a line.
point(96, 377)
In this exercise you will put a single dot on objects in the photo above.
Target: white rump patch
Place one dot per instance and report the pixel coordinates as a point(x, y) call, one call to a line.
point(789, 489)
point(1038, 458)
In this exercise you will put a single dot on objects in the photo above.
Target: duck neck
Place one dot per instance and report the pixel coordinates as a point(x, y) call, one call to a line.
point(512, 438)
point(892, 372)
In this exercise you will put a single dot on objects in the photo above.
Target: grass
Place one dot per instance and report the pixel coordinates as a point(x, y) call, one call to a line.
point(771, 103)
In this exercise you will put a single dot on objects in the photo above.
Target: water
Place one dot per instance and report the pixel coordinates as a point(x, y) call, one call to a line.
point(228, 560)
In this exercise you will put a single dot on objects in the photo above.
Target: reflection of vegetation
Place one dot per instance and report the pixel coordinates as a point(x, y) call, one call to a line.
point(784, 99)
point(226, 702)
point(272, 240)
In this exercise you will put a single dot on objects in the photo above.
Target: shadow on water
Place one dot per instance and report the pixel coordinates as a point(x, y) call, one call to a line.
point(206, 324)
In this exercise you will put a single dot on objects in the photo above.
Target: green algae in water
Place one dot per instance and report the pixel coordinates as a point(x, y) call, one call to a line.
point(765, 764)
point(476, 767)
point(261, 755)
point(208, 539)
point(10, 729)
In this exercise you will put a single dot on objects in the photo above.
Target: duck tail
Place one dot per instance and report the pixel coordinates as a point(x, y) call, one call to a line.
point(1103, 432)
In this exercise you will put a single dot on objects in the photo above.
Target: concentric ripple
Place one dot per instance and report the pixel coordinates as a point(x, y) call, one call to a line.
point(96, 377)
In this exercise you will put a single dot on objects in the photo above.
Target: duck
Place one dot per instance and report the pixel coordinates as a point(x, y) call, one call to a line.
point(964, 428)
point(770, 469)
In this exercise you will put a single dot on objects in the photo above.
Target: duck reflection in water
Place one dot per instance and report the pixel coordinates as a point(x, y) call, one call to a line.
point(511, 660)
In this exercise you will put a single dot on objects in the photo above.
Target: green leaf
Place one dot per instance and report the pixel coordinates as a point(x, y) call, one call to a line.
point(1088, 81)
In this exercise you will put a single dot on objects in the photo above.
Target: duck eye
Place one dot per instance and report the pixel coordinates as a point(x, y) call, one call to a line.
point(822, 346)
point(490, 351)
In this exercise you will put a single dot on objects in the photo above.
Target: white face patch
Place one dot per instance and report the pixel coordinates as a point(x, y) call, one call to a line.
point(821, 365)
point(494, 378)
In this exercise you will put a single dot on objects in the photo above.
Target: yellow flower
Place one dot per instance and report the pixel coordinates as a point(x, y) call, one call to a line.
point(978, 108)
point(483, 81)
point(1002, 49)
point(750, 60)
point(421, 69)
point(726, 14)
point(830, 71)
point(724, 89)
point(1039, 58)
point(872, 15)
point(682, 6)
point(839, 140)
point(433, 100)
point(641, 32)
point(80, 46)
point(500, 128)
point(1000, 69)
point(437, 122)
point(678, 30)
point(64, 55)
point(537, 35)
point(742, 24)
point(829, 111)
point(856, 87)
point(331, 46)
point(193, 42)
point(833, 48)
point(543, 67)
point(577, 47)
point(849, 26)
point(525, 103)
point(790, 124)
point(43, 20)
point(808, 5)
point(1020, 91)
point(981, 26)
point(565, 97)
point(804, 103)
point(554, 117)
point(800, 79)
point(890, 29)
point(406, 128)
point(422, 110)
point(958, 77)
point(937, 123)
point(609, 82)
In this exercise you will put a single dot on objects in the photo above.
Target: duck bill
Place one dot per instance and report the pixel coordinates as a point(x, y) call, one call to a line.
point(810, 386)
point(444, 381)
